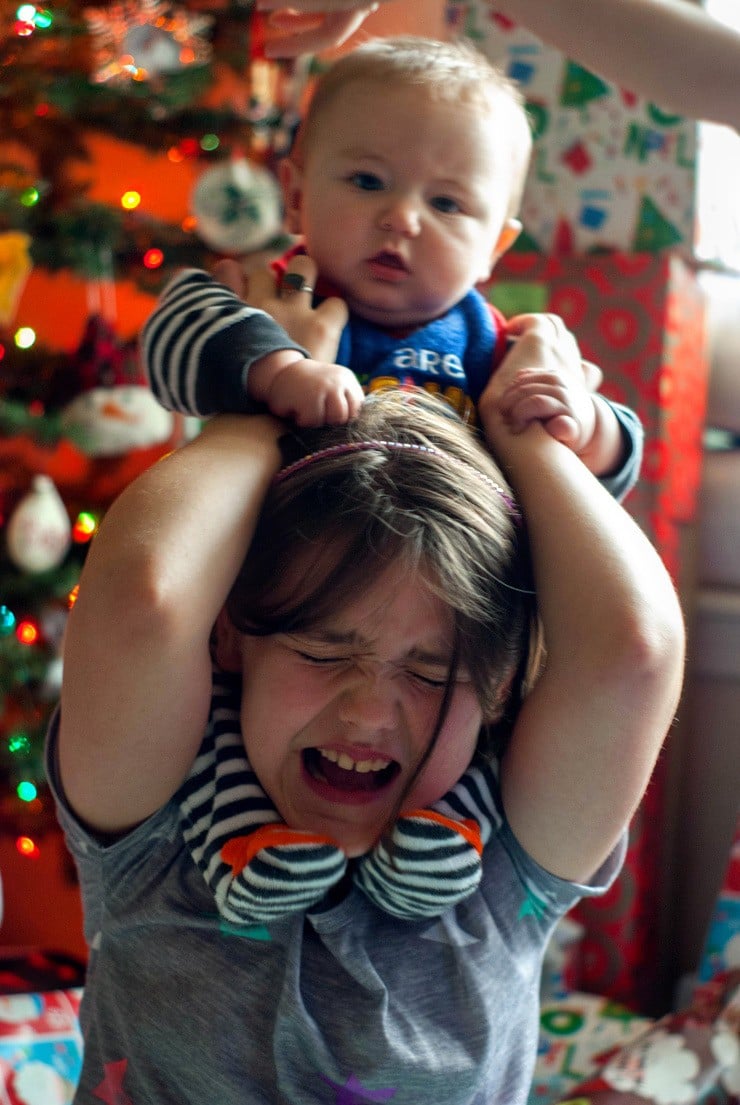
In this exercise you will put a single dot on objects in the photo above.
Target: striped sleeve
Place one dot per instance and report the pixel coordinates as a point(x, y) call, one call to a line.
point(199, 342)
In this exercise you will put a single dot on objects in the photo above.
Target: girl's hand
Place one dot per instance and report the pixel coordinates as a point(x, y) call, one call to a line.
point(309, 26)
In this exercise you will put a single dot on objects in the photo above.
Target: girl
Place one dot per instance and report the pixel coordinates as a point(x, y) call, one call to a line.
point(370, 595)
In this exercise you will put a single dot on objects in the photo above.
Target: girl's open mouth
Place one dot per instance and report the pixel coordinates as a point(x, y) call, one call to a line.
point(340, 771)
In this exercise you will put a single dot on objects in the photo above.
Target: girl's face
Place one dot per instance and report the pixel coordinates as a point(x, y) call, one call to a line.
point(402, 200)
point(336, 718)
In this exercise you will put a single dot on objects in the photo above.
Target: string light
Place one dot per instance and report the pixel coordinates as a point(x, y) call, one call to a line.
point(19, 744)
point(130, 200)
point(7, 621)
point(27, 633)
point(153, 258)
point(24, 337)
point(84, 528)
point(27, 847)
point(27, 791)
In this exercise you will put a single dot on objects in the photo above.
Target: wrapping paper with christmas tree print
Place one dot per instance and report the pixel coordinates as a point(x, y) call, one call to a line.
point(609, 170)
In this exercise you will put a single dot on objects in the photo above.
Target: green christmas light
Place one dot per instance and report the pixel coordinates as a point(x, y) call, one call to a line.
point(19, 744)
point(27, 791)
point(7, 621)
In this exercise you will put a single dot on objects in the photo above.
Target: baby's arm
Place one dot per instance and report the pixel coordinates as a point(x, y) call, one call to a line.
point(205, 351)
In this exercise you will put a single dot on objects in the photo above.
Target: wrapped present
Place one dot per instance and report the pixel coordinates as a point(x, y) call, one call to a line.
point(721, 952)
point(40, 1047)
point(686, 1058)
point(576, 1031)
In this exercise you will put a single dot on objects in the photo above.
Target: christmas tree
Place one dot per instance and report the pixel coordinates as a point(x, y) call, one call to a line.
point(184, 82)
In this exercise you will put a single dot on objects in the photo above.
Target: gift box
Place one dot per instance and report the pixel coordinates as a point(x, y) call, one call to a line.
point(686, 1058)
point(721, 952)
point(576, 1031)
point(40, 1047)
point(642, 319)
point(609, 170)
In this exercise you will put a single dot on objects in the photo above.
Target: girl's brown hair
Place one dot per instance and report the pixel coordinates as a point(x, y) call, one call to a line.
point(332, 528)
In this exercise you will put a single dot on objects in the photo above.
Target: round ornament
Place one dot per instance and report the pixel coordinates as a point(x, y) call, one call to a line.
point(238, 207)
point(38, 533)
point(108, 422)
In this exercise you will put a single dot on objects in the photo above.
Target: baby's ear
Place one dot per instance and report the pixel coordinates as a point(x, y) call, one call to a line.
point(227, 648)
point(510, 231)
point(291, 181)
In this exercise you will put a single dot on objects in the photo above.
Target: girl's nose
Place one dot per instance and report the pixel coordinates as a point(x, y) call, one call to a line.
point(370, 703)
point(401, 216)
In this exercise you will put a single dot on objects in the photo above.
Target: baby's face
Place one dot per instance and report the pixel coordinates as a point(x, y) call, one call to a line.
point(402, 200)
point(335, 719)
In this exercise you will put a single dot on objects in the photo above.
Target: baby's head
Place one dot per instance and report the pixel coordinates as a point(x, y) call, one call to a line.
point(407, 174)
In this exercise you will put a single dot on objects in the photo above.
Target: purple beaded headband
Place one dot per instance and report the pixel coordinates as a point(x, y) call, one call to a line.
point(396, 446)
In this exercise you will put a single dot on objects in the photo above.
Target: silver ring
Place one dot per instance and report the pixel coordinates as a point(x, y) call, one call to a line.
point(294, 282)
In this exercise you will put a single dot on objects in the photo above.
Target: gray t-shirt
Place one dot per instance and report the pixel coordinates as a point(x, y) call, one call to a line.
point(341, 1005)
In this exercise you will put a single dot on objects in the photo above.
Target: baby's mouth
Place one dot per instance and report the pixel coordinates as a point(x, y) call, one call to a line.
point(388, 260)
point(340, 770)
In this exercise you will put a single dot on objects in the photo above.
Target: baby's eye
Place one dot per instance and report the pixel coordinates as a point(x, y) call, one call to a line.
point(366, 182)
point(446, 205)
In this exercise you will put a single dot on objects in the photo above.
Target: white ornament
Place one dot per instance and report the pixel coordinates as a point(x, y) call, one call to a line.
point(238, 207)
point(112, 421)
point(38, 533)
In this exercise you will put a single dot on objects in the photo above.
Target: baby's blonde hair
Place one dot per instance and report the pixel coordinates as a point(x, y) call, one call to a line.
point(448, 72)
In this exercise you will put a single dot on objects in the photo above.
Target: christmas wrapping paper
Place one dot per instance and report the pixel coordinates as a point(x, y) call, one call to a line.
point(641, 319)
point(609, 170)
point(575, 1029)
point(721, 952)
point(686, 1058)
point(40, 1048)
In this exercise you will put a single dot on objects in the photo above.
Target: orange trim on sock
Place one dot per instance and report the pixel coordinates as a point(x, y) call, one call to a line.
point(467, 828)
point(241, 850)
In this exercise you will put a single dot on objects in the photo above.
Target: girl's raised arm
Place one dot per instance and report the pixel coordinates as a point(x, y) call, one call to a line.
point(588, 735)
point(136, 685)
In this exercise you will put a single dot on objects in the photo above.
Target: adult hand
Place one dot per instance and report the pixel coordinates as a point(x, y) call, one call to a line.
point(309, 26)
point(317, 329)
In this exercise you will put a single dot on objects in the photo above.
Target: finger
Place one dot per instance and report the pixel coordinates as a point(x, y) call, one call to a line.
point(592, 375)
point(564, 429)
point(262, 291)
point(333, 30)
point(231, 274)
point(334, 312)
point(299, 276)
point(311, 5)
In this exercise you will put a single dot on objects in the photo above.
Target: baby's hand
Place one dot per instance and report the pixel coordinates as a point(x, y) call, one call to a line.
point(554, 387)
point(314, 394)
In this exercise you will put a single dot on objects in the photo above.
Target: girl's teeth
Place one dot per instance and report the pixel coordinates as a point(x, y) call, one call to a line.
point(348, 764)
